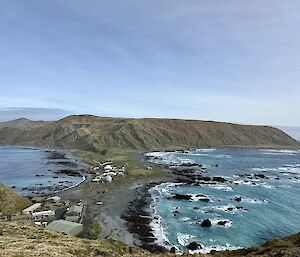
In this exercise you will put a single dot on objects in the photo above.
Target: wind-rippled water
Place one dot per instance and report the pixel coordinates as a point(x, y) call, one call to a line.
point(268, 206)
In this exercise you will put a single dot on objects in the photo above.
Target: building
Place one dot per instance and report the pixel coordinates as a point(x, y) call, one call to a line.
point(72, 218)
point(65, 227)
point(75, 210)
point(31, 208)
point(43, 214)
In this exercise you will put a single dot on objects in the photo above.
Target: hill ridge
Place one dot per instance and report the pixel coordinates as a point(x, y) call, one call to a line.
point(93, 133)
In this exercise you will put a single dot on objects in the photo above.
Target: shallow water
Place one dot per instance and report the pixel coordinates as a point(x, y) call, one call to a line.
point(268, 208)
point(31, 171)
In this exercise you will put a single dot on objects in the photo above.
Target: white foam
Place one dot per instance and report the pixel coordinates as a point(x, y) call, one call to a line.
point(287, 168)
point(228, 223)
point(208, 249)
point(250, 183)
point(225, 208)
point(185, 219)
point(197, 197)
point(224, 188)
point(205, 150)
point(222, 156)
point(183, 239)
point(279, 151)
point(254, 201)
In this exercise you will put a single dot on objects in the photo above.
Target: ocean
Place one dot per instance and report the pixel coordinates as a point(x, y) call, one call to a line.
point(33, 171)
point(259, 201)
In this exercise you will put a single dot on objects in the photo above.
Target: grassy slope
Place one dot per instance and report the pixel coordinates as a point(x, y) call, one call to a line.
point(10, 202)
point(100, 134)
point(36, 241)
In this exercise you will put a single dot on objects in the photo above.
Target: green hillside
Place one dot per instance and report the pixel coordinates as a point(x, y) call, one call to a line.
point(96, 134)
point(10, 202)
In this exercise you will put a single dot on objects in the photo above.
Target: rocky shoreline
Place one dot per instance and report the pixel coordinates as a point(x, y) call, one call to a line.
point(138, 218)
point(140, 214)
point(62, 164)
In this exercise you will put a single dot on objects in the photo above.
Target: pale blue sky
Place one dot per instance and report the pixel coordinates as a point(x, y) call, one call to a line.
point(232, 60)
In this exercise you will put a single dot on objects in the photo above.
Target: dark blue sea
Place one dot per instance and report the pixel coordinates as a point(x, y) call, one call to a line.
point(268, 206)
point(37, 171)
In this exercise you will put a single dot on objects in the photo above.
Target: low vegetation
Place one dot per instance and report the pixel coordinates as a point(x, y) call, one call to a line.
point(10, 202)
point(29, 240)
point(102, 135)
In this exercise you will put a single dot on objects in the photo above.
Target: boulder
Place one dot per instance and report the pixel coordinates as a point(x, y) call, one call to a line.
point(219, 179)
point(173, 249)
point(194, 246)
point(182, 197)
point(206, 223)
point(260, 175)
point(222, 222)
point(238, 198)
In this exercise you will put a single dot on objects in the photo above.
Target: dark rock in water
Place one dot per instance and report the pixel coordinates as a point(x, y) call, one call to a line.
point(194, 246)
point(182, 197)
point(260, 175)
point(206, 223)
point(229, 209)
point(73, 173)
point(204, 178)
point(63, 163)
point(13, 187)
point(175, 213)
point(219, 179)
point(203, 198)
point(222, 222)
point(189, 164)
point(173, 250)
point(238, 198)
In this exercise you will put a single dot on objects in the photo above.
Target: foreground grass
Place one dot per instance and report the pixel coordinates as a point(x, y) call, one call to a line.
point(10, 202)
point(27, 239)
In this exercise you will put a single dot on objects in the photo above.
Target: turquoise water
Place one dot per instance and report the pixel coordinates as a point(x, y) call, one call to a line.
point(268, 208)
point(31, 171)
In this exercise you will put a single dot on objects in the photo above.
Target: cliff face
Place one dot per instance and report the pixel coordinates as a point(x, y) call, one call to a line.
point(99, 133)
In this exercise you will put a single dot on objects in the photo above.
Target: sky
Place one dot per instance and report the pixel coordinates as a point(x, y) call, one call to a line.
point(233, 60)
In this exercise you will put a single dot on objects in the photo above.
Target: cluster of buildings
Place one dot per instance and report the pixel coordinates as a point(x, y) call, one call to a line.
point(105, 172)
point(55, 215)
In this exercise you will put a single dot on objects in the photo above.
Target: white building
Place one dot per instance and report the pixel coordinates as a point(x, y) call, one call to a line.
point(43, 214)
point(31, 208)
